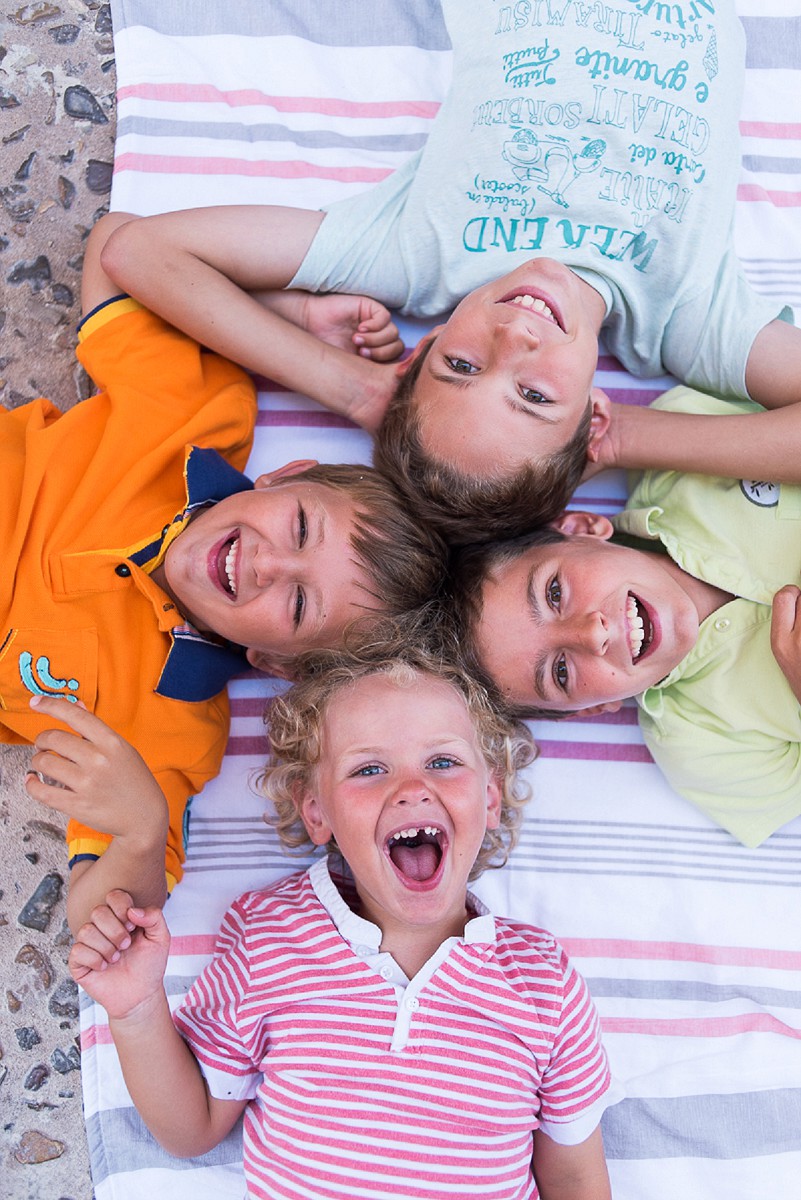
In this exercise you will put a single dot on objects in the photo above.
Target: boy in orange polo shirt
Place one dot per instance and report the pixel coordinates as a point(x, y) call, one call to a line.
point(141, 570)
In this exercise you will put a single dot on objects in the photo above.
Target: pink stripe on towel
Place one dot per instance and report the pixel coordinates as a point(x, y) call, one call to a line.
point(205, 93)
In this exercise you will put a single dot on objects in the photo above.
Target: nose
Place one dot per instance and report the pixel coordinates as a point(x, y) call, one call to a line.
point(411, 788)
point(590, 632)
point(270, 566)
point(519, 328)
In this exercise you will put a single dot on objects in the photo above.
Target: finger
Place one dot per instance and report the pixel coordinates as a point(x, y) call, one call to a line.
point(377, 318)
point(387, 332)
point(152, 924)
point(383, 354)
point(113, 926)
point(83, 960)
point(56, 771)
point(97, 948)
point(76, 715)
point(53, 795)
point(119, 901)
point(785, 608)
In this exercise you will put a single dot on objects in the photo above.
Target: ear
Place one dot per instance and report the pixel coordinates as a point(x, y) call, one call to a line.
point(589, 524)
point(314, 819)
point(595, 710)
point(422, 345)
point(270, 664)
point(289, 469)
point(599, 422)
point(494, 803)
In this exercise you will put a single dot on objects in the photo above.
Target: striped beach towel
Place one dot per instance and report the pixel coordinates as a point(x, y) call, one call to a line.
point(690, 943)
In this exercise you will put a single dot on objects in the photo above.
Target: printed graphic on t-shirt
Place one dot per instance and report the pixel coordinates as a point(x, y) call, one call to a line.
point(592, 122)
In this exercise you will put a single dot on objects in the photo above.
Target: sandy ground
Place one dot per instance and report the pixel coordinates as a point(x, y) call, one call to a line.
point(56, 146)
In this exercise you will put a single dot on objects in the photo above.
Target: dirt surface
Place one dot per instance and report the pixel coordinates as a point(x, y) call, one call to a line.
point(56, 148)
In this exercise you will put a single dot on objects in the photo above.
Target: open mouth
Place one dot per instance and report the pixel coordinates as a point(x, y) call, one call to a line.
point(417, 853)
point(639, 626)
point(529, 301)
point(226, 564)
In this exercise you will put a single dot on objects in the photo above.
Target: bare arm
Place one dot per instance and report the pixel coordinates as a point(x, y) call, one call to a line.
point(785, 635)
point(763, 445)
point(97, 778)
point(199, 269)
point(119, 958)
point(571, 1172)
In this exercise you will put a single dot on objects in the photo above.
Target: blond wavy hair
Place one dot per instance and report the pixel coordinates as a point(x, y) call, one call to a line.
point(295, 733)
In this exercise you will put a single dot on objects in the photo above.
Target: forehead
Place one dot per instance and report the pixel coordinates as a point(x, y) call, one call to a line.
point(378, 700)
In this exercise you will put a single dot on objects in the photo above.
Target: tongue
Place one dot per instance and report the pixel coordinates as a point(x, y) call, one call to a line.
point(416, 862)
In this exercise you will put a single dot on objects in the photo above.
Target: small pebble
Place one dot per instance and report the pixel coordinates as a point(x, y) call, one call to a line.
point(36, 914)
point(34, 1147)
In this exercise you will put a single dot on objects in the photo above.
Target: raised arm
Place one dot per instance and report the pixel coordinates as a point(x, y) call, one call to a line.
point(199, 269)
point(96, 777)
point(119, 958)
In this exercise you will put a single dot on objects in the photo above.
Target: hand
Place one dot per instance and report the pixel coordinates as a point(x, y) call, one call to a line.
point(119, 956)
point(355, 323)
point(95, 777)
point(785, 635)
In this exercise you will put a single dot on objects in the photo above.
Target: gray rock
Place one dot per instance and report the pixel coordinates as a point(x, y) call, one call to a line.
point(36, 914)
point(81, 104)
point(64, 1001)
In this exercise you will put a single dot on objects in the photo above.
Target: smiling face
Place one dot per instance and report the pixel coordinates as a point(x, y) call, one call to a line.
point(272, 569)
point(508, 378)
point(404, 788)
point(585, 624)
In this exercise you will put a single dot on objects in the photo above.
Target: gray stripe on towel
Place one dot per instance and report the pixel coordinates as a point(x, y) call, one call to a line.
point(379, 23)
point(772, 42)
point(119, 1141)
point(716, 1127)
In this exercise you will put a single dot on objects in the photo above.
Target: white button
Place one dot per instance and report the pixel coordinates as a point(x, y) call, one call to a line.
point(363, 951)
point(722, 624)
point(386, 972)
point(412, 1002)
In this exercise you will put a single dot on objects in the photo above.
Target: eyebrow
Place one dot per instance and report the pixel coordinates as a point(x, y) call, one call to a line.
point(534, 607)
point(315, 512)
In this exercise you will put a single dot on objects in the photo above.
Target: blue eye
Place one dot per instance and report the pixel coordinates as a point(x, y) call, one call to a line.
point(366, 772)
point(442, 762)
point(461, 366)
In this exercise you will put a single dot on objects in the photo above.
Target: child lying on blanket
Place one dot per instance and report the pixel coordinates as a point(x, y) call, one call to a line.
point(369, 1015)
point(142, 570)
point(688, 600)
point(600, 160)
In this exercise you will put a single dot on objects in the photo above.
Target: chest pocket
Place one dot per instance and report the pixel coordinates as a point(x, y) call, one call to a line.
point(47, 662)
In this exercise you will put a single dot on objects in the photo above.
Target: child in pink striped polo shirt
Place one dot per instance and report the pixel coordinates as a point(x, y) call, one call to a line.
point(383, 1033)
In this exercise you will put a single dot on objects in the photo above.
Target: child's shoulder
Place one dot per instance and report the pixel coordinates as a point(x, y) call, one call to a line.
point(526, 942)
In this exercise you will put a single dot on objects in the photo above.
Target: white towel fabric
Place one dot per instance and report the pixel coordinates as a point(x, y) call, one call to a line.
point(690, 943)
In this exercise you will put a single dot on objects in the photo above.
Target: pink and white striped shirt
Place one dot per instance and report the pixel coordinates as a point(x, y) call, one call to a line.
point(366, 1084)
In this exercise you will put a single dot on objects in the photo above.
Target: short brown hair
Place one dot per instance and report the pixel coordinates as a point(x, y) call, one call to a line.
point(295, 723)
point(471, 567)
point(404, 557)
point(468, 508)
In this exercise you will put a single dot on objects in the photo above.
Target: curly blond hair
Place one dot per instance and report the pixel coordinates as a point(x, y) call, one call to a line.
point(295, 729)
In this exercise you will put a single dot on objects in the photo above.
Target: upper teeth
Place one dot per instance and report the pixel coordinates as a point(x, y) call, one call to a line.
point(635, 625)
point(535, 304)
point(413, 832)
point(230, 565)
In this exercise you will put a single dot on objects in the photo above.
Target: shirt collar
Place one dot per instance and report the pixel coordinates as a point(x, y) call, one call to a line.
point(196, 667)
point(359, 932)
